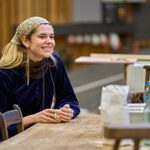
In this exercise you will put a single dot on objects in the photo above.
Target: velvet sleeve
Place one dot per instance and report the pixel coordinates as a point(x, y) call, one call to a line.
point(64, 89)
point(4, 91)
point(5, 104)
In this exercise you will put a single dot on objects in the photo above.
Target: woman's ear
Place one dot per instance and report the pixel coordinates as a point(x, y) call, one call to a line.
point(25, 42)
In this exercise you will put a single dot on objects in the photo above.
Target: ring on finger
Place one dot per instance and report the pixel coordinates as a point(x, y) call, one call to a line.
point(56, 116)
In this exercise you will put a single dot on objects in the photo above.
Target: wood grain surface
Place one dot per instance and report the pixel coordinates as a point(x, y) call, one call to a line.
point(82, 133)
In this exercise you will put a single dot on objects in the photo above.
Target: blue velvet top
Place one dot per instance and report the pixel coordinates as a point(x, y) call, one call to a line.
point(38, 94)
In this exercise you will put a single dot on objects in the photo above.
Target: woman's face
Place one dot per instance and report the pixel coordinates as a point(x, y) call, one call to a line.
point(42, 42)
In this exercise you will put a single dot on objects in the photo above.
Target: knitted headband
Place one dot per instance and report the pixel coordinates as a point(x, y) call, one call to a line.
point(26, 27)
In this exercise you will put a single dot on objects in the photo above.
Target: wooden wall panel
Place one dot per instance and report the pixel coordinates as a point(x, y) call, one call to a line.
point(13, 12)
point(4, 21)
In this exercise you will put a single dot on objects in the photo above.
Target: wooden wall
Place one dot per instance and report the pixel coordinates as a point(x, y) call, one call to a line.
point(13, 12)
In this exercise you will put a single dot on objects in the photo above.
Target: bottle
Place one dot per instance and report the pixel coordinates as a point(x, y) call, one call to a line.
point(147, 108)
point(147, 111)
point(146, 92)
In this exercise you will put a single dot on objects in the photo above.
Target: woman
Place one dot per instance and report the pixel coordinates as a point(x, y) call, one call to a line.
point(32, 76)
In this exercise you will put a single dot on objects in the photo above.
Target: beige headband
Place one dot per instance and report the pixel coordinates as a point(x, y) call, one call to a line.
point(26, 27)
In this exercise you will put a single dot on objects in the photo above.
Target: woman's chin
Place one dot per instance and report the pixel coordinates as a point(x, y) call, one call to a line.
point(46, 55)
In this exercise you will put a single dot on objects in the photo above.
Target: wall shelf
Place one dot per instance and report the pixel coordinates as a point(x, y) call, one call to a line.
point(84, 28)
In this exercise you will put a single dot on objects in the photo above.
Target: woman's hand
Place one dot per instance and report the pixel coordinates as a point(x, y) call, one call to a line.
point(63, 114)
point(45, 116)
point(66, 113)
point(48, 116)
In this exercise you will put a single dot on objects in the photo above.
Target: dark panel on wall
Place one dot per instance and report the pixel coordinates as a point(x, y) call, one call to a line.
point(82, 28)
point(142, 21)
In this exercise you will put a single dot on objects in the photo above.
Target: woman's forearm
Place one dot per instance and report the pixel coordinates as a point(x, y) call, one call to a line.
point(29, 120)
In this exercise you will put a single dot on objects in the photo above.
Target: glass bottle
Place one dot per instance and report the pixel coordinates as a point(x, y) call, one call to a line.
point(147, 111)
point(147, 108)
point(147, 92)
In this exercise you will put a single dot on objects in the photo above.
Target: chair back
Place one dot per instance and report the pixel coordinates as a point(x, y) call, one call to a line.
point(136, 132)
point(9, 118)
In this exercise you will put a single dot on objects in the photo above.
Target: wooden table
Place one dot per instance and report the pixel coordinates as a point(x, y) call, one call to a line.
point(125, 59)
point(83, 133)
point(139, 57)
point(106, 60)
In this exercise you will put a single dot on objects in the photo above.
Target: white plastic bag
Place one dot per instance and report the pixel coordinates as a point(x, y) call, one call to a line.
point(114, 108)
point(114, 104)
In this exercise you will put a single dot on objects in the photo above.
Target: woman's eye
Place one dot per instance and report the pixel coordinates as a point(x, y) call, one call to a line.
point(51, 37)
point(46, 36)
point(42, 36)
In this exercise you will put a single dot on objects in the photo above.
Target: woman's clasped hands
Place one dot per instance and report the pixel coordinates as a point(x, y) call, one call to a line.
point(64, 114)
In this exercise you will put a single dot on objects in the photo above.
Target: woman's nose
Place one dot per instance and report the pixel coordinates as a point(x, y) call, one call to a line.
point(48, 40)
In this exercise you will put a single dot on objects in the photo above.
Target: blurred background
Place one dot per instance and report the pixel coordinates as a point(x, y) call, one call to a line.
point(83, 27)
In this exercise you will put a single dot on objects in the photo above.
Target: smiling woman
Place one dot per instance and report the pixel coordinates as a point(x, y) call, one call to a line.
point(33, 76)
point(41, 43)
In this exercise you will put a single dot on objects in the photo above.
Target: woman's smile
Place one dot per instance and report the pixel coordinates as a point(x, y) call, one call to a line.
point(47, 49)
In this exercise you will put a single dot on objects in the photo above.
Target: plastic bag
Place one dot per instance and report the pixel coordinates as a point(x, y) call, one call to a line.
point(114, 104)
point(114, 109)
